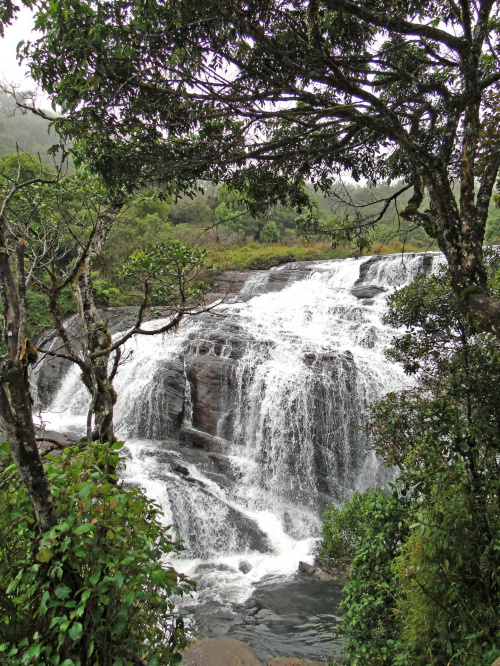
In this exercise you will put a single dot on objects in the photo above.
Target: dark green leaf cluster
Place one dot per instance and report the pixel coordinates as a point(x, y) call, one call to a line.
point(375, 527)
point(95, 589)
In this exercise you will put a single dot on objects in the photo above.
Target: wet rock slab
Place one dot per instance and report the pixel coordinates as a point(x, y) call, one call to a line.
point(50, 441)
point(367, 291)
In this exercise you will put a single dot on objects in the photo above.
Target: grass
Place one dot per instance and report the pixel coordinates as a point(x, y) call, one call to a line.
point(261, 256)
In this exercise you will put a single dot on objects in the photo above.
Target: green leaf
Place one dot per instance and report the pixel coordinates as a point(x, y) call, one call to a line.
point(76, 631)
point(119, 579)
point(84, 528)
point(85, 490)
point(95, 577)
point(62, 591)
point(44, 555)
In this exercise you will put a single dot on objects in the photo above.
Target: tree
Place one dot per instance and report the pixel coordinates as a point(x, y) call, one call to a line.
point(267, 94)
point(64, 228)
point(16, 422)
point(269, 233)
point(52, 229)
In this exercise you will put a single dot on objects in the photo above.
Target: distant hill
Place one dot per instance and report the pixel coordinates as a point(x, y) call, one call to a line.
point(28, 131)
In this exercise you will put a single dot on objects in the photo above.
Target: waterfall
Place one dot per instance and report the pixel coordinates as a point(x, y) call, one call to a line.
point(245, 422)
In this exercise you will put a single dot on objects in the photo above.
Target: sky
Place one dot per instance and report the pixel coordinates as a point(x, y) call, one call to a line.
point(10, 71)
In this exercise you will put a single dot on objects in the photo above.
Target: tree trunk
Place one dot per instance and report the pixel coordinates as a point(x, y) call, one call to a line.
point(97, 339)
point(104, 412)
point(16, 427)
point(16, 421)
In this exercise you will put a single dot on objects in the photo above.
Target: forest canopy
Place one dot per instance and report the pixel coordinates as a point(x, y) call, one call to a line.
point(266, 95)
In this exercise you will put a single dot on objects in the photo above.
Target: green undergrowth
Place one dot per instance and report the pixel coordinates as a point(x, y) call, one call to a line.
point(260, 256)
point(424, 575)
point(95, 589)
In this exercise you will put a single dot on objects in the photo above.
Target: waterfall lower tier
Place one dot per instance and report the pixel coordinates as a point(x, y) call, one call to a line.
point(248, 420)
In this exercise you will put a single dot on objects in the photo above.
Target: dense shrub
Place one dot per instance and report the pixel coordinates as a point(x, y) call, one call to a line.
point(95, 589)
point(269, 233)
point(370, 530)
point(345, 528)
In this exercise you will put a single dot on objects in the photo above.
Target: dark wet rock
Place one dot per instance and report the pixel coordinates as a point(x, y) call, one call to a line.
point(318, 359)
point(307, 568)
point(237, 527)
point(213, 383)
point(219, 337)
point(367, 291)
point(323, 575)
point(161, 412)
point(310, 570)
point(223, 465)
point(244, 567)
point(220, 652)
point(191, 479)
point(50, 441)
point(261, 280)
point(180, 469)
point(213, 566)
point(427, 264)
point(365, 267)
point(200, 439)
point(231, 282)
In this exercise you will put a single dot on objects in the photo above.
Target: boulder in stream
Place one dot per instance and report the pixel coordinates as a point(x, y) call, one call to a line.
point(220, 652)
point(367, 291)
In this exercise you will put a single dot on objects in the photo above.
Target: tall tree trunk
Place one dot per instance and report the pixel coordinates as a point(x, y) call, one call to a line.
point(97, 339)
point(16, 427)
point(16, 421)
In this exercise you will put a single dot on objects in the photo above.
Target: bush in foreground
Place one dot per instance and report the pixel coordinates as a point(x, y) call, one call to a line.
point(95, 589)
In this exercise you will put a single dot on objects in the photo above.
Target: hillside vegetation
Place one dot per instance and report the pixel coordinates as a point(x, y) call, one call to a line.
point(215, 219)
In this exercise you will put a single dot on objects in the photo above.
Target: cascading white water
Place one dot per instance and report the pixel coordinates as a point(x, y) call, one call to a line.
point(294, 362)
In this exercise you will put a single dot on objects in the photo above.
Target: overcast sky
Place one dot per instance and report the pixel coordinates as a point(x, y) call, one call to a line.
point(10, 71)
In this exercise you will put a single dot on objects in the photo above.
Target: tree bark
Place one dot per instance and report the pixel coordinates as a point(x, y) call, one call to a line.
point(16, 427)
point(16, 422)
point(97, 339)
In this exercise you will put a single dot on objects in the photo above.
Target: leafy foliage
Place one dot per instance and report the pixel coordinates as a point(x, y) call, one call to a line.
point(265, 96)
point(369, 601)
point(345, 528)
point(169, 273)
point(424, 584)
point(270, 233)
point(111, 544)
